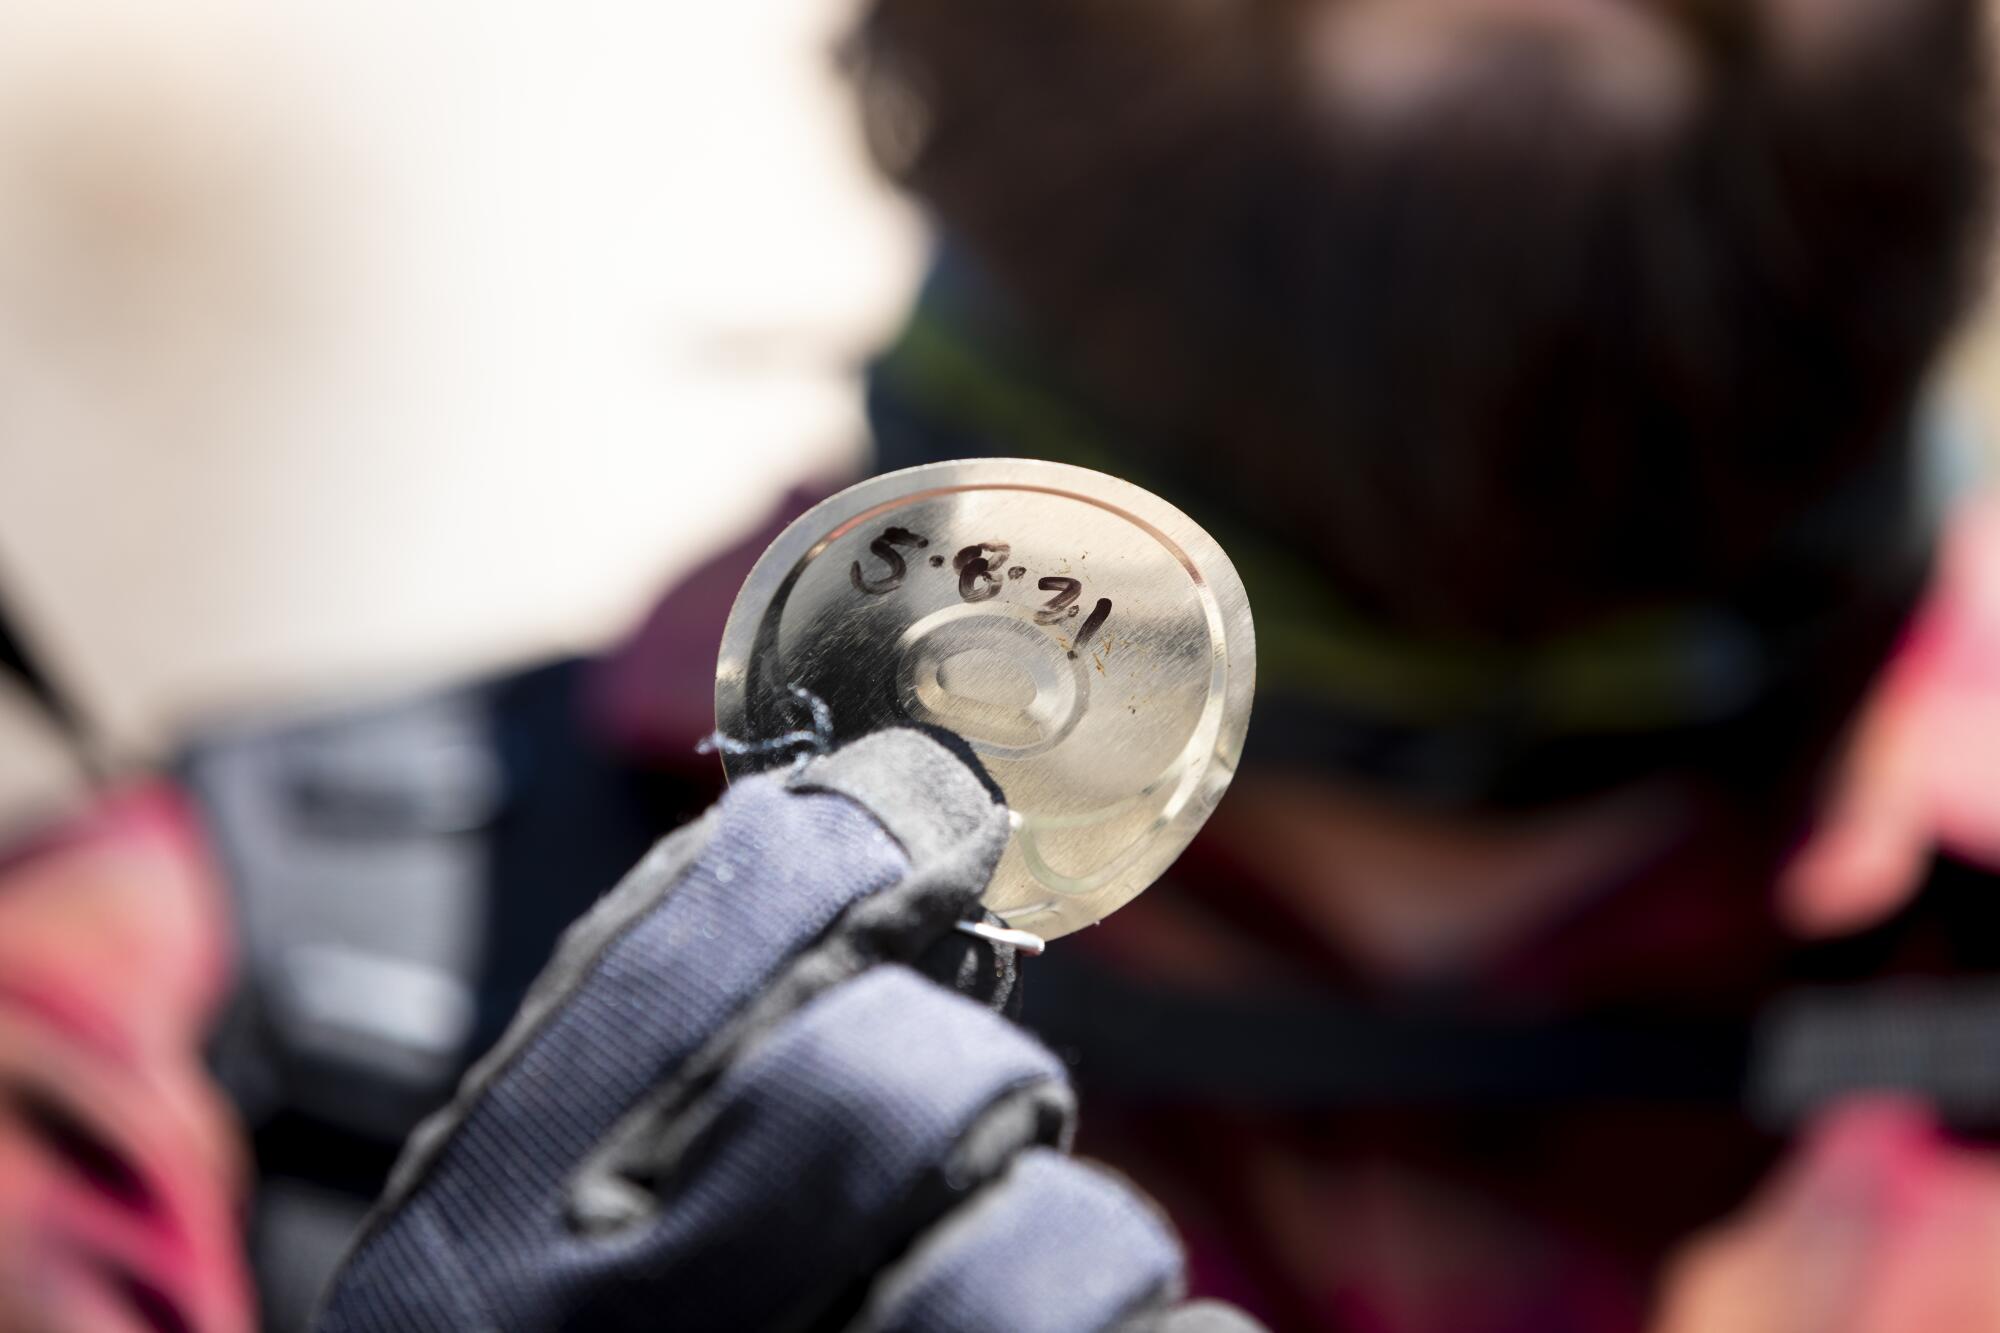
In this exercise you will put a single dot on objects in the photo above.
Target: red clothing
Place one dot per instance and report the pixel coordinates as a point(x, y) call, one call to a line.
point(120, 1168)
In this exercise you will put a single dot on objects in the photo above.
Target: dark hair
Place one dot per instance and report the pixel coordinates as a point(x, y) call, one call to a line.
point(1505, 355)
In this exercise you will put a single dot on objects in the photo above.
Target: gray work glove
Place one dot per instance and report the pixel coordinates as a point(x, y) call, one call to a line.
point(732, 1101)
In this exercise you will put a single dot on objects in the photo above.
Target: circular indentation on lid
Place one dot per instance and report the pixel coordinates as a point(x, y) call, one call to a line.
point(1089, 641)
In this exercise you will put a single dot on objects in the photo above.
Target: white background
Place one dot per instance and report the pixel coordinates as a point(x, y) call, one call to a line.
point(351, 342)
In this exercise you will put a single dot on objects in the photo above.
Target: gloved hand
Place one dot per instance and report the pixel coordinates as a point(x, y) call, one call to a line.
point(732, 1102)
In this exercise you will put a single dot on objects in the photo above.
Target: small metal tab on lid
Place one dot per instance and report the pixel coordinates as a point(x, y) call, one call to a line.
point(1090, 642)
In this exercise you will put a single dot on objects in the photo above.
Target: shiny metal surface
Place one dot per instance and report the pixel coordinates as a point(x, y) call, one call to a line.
point(1089, 641)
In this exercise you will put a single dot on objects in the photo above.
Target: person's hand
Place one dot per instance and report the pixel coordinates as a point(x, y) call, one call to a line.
point(734, 1101)
point(1921, 770)
point(1878, 1226)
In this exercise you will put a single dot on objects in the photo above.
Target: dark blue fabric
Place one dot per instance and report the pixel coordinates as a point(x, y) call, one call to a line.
point(1051, 1226)
point(484, 1244)
point(863, 1152)
point(827, 1128)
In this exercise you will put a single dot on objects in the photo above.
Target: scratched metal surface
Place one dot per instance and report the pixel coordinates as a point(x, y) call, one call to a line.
point(1088, 639)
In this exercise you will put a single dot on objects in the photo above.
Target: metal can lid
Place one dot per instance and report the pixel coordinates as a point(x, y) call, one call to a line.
point(1088, 640)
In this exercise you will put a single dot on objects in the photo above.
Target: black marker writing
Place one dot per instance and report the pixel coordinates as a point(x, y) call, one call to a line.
point(1066, 591)
point(976, 580)
point(1093, 623)
point(883, 548)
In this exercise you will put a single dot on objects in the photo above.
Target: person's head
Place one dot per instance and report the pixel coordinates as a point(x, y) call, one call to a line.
point(1512, 312)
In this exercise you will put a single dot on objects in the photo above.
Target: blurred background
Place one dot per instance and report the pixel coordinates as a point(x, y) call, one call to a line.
point(344, 345)
point(350, 347)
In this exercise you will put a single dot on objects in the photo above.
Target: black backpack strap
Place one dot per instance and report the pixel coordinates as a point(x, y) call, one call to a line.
point(1853, 1019)
point(1151, 1042)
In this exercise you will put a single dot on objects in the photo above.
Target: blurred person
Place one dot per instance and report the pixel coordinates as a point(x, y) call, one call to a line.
point(1554, 372)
